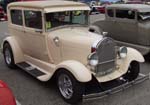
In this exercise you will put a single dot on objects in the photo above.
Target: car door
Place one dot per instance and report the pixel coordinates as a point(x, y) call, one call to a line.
point(35, 45)
point(125, 26)
point(15, 26)
point(108, 24)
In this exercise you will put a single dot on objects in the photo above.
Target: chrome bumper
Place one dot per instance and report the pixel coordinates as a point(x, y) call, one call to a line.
point(116, 89)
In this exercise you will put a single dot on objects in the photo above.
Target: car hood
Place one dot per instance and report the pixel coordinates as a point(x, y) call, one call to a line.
point(76, 42)
point(79, 35)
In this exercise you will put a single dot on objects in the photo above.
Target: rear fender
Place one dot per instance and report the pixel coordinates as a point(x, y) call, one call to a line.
point(17, 52)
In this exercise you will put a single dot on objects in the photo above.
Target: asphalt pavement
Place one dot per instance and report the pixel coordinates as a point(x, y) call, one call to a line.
point(29, 91)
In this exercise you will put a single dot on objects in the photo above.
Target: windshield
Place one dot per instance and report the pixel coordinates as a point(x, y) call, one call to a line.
point(142, 16)
point(66, 18)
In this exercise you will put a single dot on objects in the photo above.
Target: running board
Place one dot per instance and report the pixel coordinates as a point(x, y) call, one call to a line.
point(30, 69)
point(116, 89)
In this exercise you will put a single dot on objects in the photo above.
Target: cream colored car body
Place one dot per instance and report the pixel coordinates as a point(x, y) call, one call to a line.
point(39, 50)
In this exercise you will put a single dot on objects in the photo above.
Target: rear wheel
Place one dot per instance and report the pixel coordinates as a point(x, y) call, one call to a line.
point(8, 56)
point(133, 71)
point(70, 89)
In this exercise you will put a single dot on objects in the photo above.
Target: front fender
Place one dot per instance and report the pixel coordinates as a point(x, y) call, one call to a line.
point(122, 65)
point(17, 52)
point(79, 71)
point(132, 55)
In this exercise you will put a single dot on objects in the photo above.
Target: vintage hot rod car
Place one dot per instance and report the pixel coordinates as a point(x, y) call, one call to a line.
point(129, 25)
point(52, 39)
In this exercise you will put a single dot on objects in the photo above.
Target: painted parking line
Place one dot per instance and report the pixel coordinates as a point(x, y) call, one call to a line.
point(18, 103)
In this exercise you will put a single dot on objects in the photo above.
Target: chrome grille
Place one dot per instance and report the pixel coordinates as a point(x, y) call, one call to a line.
point(106, 56)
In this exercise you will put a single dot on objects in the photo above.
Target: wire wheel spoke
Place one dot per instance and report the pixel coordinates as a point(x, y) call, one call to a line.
point(65, 86)
point(7, 56)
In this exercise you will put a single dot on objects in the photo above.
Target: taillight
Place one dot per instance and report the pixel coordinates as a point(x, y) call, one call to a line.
point(93, 49)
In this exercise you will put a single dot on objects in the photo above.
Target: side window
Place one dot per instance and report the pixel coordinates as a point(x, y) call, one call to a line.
point(16, 17)
point(129, 14)
point(33, 19)
point(110, 12)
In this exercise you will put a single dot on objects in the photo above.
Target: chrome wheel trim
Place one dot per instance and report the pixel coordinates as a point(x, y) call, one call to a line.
point(7, 56)
point(65, 86)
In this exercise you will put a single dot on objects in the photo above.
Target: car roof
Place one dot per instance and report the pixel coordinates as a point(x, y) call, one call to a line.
point(46, 4)
point(138, 7)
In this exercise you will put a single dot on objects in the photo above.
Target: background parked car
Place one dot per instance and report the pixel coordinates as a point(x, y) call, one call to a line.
point(129, 25)
point(3, 15)
point(6, 96)
point(96, 9)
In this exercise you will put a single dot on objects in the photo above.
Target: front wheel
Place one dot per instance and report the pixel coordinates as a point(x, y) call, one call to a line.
point(133, 71)
point(70, 89)
point(8, 55)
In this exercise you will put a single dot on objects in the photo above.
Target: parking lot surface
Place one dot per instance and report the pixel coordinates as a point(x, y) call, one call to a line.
point(29, 91)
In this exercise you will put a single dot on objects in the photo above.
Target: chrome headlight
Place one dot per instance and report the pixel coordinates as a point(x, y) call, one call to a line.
point(123, 52)
point(93, 59)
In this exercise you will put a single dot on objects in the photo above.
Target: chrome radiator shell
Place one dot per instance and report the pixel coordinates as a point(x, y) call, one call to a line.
point(107, 54)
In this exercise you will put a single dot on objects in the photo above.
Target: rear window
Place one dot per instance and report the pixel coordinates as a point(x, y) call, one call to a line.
point(16, 17)
point(128, 14)
point(33, 19)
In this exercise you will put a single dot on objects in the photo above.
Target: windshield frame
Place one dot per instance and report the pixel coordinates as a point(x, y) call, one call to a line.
point(87, 20)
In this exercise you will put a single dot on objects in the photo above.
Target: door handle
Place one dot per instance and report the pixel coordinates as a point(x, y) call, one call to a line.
point(38, 31)
point(56, 41)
